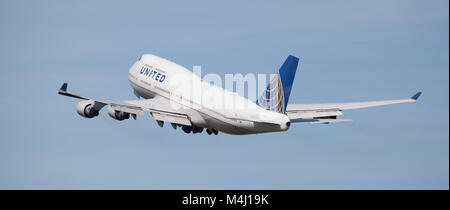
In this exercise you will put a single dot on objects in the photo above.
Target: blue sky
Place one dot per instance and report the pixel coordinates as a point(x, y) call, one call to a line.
point(348, 50)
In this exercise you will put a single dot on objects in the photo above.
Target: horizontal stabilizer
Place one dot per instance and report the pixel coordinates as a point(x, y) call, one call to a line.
point(319, 121)
point(313, 113)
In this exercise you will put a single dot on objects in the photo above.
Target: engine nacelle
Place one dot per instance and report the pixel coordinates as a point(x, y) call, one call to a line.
point(84, 108)
point(118, 115)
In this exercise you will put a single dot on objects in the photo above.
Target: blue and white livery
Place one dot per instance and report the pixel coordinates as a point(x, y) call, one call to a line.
point(155, 80)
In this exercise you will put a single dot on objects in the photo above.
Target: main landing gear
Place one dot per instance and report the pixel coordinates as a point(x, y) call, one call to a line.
point(195, 129)
point(189, 129)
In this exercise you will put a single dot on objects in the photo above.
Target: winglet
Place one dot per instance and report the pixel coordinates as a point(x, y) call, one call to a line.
point(63, 91)
point(63, 88)
point(416, 96)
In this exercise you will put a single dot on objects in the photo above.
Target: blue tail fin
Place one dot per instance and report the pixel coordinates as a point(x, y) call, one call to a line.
point(276, 95)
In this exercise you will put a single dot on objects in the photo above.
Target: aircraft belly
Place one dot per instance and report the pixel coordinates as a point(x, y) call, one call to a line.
point(241, 127)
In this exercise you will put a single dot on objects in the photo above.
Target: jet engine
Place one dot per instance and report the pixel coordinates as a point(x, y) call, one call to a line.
point(85, 109)
point(118, 115)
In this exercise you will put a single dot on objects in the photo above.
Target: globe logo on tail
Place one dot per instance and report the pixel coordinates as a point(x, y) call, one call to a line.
point(273, 97)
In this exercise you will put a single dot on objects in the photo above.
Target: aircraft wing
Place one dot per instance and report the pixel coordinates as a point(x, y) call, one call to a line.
point(299, 113)
point(157, 106)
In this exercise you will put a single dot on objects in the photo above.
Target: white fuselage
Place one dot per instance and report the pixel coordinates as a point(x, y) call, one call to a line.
point(207, 106)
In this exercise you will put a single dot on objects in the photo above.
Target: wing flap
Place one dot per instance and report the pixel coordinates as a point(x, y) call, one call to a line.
point(172, 118)
point(128, 109)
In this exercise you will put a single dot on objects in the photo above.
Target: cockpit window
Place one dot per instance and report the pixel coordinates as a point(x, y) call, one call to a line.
point(140, 58)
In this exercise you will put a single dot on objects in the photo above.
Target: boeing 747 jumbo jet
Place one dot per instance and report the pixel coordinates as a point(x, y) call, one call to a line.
point(215, 109)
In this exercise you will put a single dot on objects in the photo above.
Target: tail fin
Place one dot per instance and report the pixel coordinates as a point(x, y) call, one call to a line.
point(276, 95)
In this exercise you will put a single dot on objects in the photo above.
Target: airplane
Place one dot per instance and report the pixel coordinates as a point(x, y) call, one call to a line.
point(150, 79)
